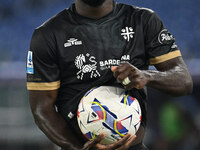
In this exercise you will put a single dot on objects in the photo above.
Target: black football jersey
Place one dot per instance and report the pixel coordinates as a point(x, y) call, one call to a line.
point(73, 53)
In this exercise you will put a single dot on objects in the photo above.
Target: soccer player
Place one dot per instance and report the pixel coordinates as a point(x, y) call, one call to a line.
point(99, 42)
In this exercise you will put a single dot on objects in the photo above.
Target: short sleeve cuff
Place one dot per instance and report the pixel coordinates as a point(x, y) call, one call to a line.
point(165, 57)
point(44, 86)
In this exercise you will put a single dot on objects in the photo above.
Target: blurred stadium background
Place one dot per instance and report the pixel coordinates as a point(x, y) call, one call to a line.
point(173, 123)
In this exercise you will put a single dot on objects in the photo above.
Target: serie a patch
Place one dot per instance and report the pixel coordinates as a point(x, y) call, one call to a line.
point(29, 66)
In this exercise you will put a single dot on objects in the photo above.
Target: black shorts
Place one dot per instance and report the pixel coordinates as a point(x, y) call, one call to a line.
point(140, 146)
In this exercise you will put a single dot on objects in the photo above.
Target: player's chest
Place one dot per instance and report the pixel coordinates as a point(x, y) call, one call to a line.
point(93, 49)
point(112, 39)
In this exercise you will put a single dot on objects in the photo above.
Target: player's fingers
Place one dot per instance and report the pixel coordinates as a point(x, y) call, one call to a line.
point(98, 139)
point(116, 71)
point(91, 144)
point(128, 144)
point(119, 143)
point(132, 84)
point(127, 79)
point(114, 68)
point(121, 72)
point(122, 144)
point(122, 76)
point(136, 80)
point(100, 147)
point(126, 69)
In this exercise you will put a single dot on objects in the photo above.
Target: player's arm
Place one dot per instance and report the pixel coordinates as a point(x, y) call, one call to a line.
point(171, 77)
point(43, 83)
point(49, 120)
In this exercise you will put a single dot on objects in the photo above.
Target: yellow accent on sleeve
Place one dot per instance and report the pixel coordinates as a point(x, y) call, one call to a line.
point(43, 86)
point(165, 57)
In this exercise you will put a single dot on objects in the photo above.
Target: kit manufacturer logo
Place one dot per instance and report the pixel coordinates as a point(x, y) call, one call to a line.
point(72, 41)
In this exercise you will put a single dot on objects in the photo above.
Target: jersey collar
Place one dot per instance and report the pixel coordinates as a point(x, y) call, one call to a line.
point(85, 20)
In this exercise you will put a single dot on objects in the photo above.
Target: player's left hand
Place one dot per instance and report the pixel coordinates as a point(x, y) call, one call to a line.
point(130, 76)
point(123, 144)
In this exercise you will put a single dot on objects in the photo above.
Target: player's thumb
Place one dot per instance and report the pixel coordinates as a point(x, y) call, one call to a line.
point(114, 68)
point(99, 138)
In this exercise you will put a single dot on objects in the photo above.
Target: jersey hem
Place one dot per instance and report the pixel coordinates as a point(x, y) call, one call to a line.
point(165, 57)
point(43, 86)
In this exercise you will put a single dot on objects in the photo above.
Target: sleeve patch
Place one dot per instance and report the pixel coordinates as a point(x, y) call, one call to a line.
point(165, 57)
point(43, 86)
point(29, 66)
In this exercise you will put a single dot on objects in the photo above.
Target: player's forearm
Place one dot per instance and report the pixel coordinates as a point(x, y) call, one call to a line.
point(56, 129)
point(49, 120)
point(176, 81)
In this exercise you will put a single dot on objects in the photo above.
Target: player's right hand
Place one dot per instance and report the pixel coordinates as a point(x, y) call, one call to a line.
point(122, 144)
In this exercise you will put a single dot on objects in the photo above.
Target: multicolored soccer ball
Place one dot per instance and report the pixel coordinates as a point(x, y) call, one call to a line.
point(110, 110)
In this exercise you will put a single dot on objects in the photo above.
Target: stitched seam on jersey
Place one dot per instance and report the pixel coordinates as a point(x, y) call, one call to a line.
point(165, 57)
point(43, 86)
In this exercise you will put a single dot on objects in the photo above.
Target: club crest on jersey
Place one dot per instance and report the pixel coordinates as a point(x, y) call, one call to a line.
point(71, 42)
point(127, 33)
point(165, 37)
point(29, 66)
point(86, 65)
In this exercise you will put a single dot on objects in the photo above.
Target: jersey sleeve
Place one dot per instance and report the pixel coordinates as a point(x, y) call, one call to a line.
point(160, 44)
point(42, 66)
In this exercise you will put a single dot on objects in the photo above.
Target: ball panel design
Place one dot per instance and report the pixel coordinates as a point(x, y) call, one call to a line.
point(110, 110)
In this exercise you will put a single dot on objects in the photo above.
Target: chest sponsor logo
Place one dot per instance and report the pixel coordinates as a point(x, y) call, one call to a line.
point(72, 42)
point(86, 64)
point(29, 66)
point(106, 64)
point(165, 37)
point(127, 33)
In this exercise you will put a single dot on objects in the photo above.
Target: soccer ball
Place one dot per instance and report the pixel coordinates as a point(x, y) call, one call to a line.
point(110, 110)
